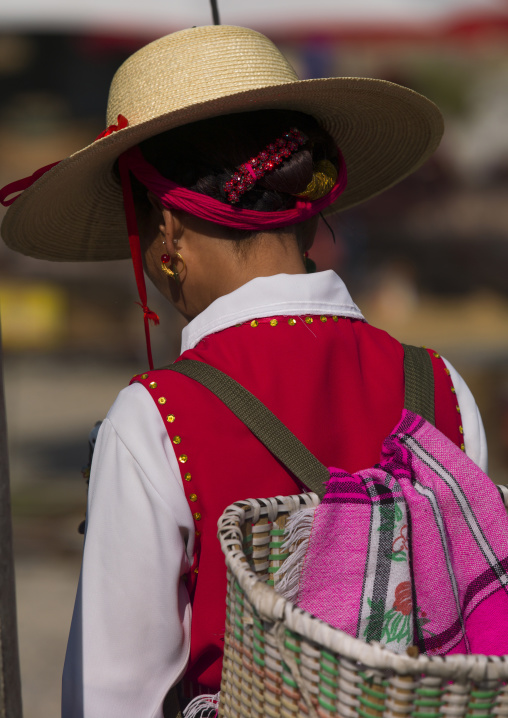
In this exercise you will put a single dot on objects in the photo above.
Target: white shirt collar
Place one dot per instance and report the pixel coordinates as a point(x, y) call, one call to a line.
point(281, 294)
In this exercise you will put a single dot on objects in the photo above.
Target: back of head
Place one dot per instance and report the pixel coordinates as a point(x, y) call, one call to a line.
point(203, 156)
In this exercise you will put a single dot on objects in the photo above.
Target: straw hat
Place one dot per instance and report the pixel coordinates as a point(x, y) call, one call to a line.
point(74, 212)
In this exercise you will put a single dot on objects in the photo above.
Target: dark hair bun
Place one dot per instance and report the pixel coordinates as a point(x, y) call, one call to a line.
point(203, 156)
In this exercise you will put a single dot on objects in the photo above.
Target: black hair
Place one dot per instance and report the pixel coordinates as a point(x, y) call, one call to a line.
point(203, 155)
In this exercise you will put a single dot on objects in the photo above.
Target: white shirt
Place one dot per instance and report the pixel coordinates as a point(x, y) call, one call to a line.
point(130, 634)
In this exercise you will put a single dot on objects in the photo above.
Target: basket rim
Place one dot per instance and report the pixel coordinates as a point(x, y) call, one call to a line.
point(273, 607)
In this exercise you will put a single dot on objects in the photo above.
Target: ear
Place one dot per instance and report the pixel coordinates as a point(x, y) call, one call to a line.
point(171, 227)
point(168, 221)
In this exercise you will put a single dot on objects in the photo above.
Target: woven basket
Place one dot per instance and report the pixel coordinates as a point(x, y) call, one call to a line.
point(280, 661)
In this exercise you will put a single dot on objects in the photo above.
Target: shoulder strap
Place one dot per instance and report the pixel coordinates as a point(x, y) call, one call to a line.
point(283, 444)
point(261, 421)
point(419, 382)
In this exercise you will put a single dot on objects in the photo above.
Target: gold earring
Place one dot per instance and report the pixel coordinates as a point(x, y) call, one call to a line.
point(168, 271)
point(166, 259)
point(171, 271)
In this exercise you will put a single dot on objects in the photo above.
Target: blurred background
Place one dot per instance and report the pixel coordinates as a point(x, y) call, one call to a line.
point(426, 260)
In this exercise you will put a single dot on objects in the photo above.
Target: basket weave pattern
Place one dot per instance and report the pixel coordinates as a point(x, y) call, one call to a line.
point(280, 661)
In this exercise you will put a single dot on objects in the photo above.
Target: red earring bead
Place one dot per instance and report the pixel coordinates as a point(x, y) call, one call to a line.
point(165, 259)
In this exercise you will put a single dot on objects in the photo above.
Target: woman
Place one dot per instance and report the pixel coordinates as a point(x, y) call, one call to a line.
point(222, 161)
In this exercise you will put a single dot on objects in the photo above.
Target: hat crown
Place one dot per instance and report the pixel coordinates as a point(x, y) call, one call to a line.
point(193, 66)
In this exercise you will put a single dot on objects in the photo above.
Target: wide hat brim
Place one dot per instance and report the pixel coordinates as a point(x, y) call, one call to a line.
point(74, 212)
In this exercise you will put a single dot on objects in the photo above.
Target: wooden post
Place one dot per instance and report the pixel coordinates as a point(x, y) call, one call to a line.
point(10, 681)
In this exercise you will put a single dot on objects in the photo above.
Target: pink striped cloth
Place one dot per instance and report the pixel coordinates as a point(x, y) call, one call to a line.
point(413, 551)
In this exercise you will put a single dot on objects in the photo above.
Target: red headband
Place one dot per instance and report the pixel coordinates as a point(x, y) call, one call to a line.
point(174, 196)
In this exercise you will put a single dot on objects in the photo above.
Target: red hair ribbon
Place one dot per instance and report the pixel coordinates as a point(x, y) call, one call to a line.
point(122, 123)
point(135, 247)
point(21, 185)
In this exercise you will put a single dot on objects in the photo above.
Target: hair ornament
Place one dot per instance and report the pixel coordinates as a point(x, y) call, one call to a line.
point(323, 179)
point(247, 174)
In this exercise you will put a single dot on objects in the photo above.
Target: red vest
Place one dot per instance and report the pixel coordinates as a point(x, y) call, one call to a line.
point(337, 383)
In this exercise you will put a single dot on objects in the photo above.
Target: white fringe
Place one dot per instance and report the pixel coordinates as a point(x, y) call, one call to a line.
point(204, 705)
point(297, 531)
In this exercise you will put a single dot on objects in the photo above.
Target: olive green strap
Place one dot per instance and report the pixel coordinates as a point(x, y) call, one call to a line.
point(419, 382)
point(266, 426)
point(419, 398)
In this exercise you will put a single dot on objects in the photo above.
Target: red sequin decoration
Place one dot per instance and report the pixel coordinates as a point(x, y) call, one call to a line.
point(246, 176)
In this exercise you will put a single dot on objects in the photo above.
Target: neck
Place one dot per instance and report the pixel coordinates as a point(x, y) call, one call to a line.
point(217, 267)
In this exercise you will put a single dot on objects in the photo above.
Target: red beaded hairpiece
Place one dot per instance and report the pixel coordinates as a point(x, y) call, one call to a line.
point(246, 175)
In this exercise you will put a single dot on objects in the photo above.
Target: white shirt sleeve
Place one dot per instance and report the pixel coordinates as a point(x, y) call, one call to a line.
point(475, 441)
point(130, 634)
